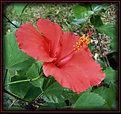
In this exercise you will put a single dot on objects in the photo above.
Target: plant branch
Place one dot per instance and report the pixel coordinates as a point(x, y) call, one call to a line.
point(12, 103)
point(10, 21)
point(35, 103)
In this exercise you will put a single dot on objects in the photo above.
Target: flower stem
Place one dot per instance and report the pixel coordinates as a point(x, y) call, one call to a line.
point(28, 80)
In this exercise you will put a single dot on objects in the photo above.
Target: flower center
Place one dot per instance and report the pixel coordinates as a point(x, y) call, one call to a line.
point(82, 42)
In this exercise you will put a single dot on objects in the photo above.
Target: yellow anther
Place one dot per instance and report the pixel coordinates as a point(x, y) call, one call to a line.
point(76, 42)
point(82, 42)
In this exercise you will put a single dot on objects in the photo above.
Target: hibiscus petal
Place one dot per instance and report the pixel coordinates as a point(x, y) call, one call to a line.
point(68, 40)
point(78, 74)
point(53, 34)
point(33, 43)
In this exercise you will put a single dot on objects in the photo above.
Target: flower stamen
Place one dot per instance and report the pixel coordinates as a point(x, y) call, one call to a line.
point(83, 41)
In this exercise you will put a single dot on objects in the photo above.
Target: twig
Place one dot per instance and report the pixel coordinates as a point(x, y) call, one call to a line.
point(10, 21)
point(18, 98)
point(12, 103)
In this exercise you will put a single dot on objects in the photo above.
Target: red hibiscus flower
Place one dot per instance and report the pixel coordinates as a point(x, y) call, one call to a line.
point(66, 56)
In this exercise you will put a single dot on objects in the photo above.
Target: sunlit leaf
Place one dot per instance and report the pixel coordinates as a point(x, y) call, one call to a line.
point(81, 12)
point(99, 6)
point(77, 21)
point(89, 101)
point(12, 54)
point(19, 7)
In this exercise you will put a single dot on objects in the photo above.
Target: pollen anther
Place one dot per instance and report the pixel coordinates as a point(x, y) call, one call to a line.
point(82, 42)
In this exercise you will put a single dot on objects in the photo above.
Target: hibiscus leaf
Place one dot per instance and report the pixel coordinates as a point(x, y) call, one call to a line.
point(89, 101)
point(99, 6)
point(19, 89)
point(111, 75)
point(77, 21)
point(102, 64)
point(32, 93)
point(48, 81)
point(108, 29)
point(23, 65)
point(107, 93)
point(75, 96)
point(81, 12)
point(14, 109)
point(96, 20)
point(33, 72)
point(55, 93)
point(19, 7)
point(115, 44)
point(7, 80)
point(12, 54)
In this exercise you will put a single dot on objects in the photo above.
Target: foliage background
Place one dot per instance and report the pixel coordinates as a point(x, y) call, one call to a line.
point(104, 47)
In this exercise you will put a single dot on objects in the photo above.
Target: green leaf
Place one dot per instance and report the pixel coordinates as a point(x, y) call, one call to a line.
point(33, 72)
point(115, 87)
point(99, 6)
point(48, 81)
point(77, 21)
point(81, 12)
point(91, 46)
point(111, 75)
point(12, 27)
point(89, 100)
point(108, 29)
point(115, 44)
point(19, 7)
point(19, 89)
point(102, 64)
point(12, 54)
point(32, 93)
point(55, 93)
point(24, 66)
point(96, 20)
point(107, 93)
point(7, 80)
point(14, 109)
